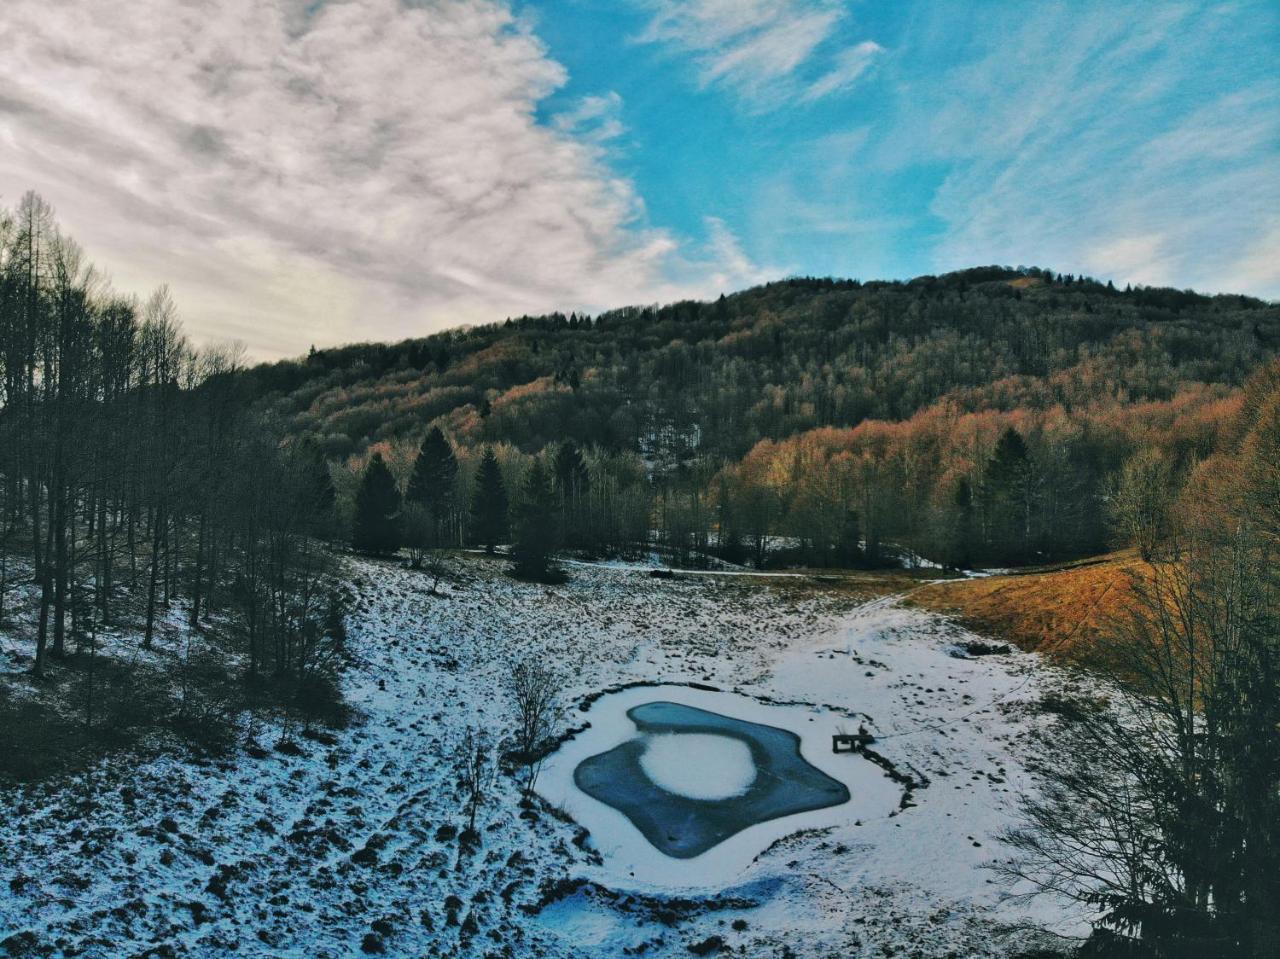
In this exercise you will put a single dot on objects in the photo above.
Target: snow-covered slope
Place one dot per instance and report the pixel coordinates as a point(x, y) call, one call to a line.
point(353, 845)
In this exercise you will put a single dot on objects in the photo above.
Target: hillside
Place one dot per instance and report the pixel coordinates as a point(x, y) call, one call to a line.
point(809, 421)
point(774, 361)
point(1059, 611)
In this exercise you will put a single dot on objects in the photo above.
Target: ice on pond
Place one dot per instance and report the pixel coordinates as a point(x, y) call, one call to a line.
point(712, 776)
point(698, 765)
point(669, 739)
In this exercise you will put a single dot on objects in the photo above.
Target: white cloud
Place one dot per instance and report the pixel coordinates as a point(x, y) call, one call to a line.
point(361, 169)
point(1139, 259)
point(595, 118)
point(1129, 148)
point(727, 264)
point(767, 51)
point(849, 65)
point(1257, 266)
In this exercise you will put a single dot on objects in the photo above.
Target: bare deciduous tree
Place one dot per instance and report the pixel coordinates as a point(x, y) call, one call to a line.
point(1164, 810)
point(474, 759)
point(534, 687)
point(1141, 500)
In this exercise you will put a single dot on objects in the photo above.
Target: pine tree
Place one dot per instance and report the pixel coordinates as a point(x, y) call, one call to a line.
point(431, 485)
point(573, 483)
point(489, 504)
point(537, 527)
point(377, 509)
point(958, 527)
point(316, 491)
point(1007, 495)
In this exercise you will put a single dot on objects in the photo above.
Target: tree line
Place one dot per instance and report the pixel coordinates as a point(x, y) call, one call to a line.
point(137, 485)
point(945, 486)
point(445, 498)
point(813, 421)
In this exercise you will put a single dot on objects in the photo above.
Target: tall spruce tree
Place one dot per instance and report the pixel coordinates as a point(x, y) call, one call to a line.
point(573, 483)
point(537, 527)
point(431, 484)
point(377, 509)
point(1007, 499)
point(318, 494)
point(489, 504)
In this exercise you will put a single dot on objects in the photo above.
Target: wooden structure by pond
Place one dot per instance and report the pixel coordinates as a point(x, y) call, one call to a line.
point(851, 742)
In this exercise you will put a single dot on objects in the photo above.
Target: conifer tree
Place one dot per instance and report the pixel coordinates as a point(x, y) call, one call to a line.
point(489, 504)
point(318, 493)
point(537, 527)
point(1007, 494)
point(377, 509)
point(431, 484)
point(573, 483)
point(956, 526)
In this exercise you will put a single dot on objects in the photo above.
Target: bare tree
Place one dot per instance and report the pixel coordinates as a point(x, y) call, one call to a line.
point(474, 759)
point(535, 689)
point(1141, 501)
point(1162, 810)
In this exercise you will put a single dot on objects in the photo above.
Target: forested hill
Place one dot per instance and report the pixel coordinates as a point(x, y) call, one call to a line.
point(979, 417)
point(774, 361)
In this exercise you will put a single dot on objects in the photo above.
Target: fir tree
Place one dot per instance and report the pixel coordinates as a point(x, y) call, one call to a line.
point(573, 482)
point(1007, 493)
point(318, 496)
point(958, 531)
point(377, 509)
point(489, 504)
point(431, 485)
point(537, 527)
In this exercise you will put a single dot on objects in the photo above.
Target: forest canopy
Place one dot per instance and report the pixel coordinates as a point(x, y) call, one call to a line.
point(748, 423)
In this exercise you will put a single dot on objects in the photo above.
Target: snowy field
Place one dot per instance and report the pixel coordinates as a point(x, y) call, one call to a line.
point(352, 847)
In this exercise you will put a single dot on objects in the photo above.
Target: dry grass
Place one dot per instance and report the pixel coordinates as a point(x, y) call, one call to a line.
point(1060, 610)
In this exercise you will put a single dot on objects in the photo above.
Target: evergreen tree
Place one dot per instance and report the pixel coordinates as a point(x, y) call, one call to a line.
point(317, 493)
point(431, 485)
point(1007, 496)
point(537, 527)
point(957, 529)
point(377, 509)
point(489, 504)
point(573, 483)
point(849, 540)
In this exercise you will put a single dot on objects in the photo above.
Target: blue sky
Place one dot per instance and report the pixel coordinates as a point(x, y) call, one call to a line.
point(1139, 142)
point(321, 172)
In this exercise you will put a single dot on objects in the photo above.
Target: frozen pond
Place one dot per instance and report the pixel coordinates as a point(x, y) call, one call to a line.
point(691, 778)
point(685, 787)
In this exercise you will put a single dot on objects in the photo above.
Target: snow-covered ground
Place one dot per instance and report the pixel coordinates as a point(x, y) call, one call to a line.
point(353, 844)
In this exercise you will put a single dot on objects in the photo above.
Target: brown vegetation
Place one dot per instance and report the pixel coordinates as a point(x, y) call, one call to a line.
point(1061, 610)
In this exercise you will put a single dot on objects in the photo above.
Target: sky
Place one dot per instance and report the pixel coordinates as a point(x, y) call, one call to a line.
point(315, 172)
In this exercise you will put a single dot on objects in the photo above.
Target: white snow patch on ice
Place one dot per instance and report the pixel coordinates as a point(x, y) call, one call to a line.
point(699, 765)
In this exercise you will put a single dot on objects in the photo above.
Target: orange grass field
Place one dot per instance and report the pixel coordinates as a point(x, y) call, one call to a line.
point(1057, 610)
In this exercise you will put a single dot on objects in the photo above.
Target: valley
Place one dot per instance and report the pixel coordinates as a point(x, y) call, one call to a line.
point(349, 839)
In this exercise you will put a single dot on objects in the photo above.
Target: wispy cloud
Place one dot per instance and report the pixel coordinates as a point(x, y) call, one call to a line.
point(595, 118)
point(306, 172)
point(1139, 148)
point(769, 52)
point(847, 67)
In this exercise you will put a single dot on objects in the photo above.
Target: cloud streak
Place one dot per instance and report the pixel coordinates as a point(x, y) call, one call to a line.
point(302, 173)
point(1138, 148)
point(768, 52)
